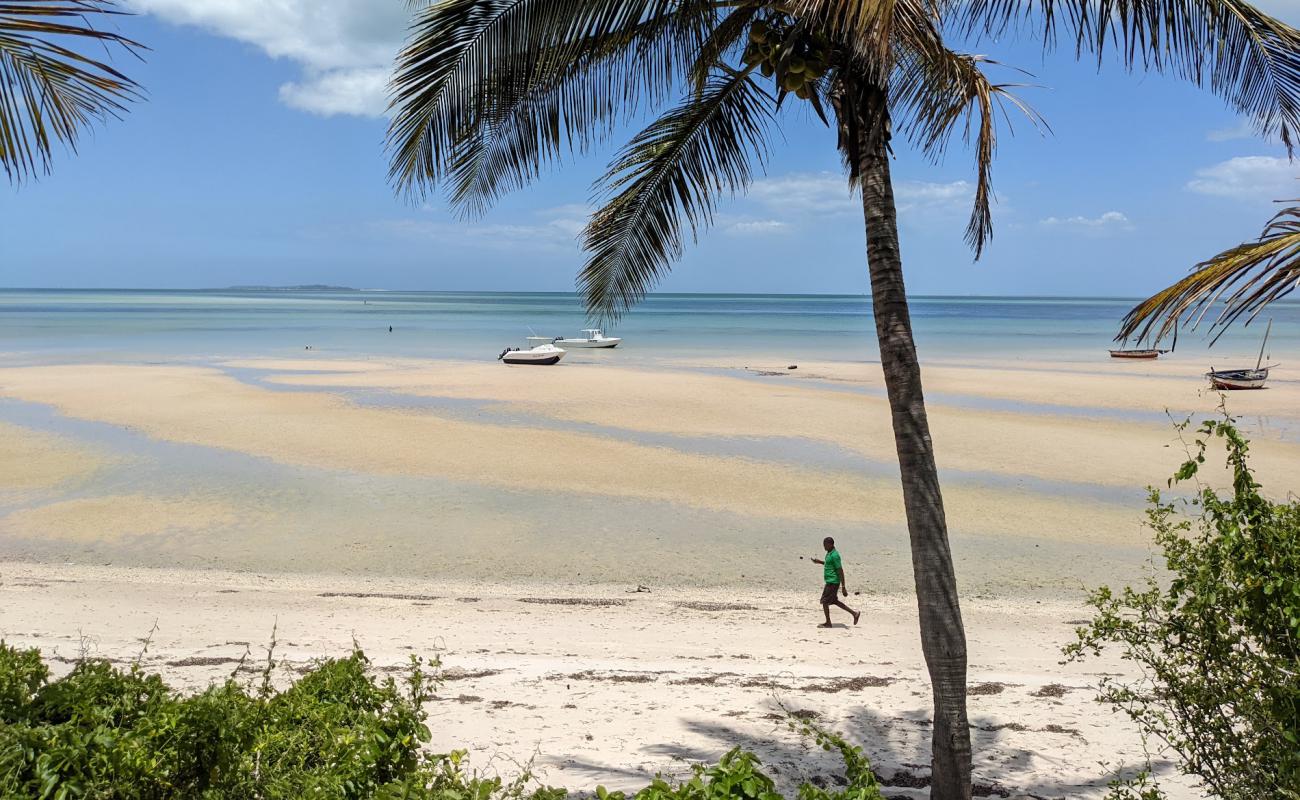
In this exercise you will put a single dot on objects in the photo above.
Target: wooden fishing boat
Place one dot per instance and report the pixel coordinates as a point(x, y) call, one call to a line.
point(1137, 353)
point(1234, 379)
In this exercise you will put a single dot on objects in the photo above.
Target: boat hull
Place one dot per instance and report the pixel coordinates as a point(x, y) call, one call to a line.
point(524, 358)
point(591, 343)
point(1135, 354)
point(1236, 380)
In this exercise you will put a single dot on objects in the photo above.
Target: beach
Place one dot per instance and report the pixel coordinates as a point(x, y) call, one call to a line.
point(610, 556)
point(590, 684)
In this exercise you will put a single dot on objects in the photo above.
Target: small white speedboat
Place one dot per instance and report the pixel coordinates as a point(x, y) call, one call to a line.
point(591, 337)
point(541, 355)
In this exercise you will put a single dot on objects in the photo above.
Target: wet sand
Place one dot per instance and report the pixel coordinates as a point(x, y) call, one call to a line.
point(408, 467)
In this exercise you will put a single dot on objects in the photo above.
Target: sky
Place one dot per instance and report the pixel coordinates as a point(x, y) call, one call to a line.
point(257, 157)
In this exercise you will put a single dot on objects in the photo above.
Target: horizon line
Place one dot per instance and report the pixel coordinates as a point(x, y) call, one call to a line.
point(326, 289)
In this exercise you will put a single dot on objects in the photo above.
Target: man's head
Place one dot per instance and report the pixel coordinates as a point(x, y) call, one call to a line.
point(828, 543)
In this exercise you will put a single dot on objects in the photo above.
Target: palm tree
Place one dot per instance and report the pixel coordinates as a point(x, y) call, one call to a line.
point(49, 92)
point(1252, 275)
point(489, 92)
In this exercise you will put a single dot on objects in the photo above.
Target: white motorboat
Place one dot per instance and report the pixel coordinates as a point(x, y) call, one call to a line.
point(541, 355)
point(591, 337)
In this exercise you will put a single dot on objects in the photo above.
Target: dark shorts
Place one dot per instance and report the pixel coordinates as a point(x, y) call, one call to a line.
point(830, 593)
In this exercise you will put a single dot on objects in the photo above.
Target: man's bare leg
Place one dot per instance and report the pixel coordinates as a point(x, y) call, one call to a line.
point(826, 607)
point(856, 614)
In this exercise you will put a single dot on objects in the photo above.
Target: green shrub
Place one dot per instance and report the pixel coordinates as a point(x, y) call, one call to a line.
point(1216, 639)
point(105, 733)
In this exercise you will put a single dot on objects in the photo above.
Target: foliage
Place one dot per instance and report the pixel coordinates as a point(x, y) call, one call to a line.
point(50, 92)
point(1217, 643)
point(1252, 275)
point(105, 733)
point(1141, 786)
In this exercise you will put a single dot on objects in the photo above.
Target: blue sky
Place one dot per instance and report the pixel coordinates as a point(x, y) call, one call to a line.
point(257, 158)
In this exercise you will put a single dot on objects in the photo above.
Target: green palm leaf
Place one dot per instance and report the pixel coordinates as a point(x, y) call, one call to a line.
point(1245, 56)
point(575, 102)
point(939, 92)
point(671, 173)
point(474, 66)
point(49, 92)
point(1262, 272)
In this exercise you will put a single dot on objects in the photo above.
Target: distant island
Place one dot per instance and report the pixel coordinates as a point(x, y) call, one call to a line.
point(310, 287)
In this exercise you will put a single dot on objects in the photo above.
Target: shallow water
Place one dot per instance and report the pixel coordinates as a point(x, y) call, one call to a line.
point(300, 518)
point(45, 324)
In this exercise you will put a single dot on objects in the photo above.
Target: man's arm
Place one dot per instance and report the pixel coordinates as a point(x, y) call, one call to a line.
point(843, 589)
point(818, 561)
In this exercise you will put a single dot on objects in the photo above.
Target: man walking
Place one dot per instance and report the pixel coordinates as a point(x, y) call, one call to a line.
point(833, 571)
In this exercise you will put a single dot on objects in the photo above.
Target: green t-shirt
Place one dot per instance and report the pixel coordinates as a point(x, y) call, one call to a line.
point(832, 570)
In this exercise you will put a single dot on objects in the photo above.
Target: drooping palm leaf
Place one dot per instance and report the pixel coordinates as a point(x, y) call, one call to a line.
point(1256, 273)
point(671, 175)
point(567, 101)
point(939, 91)
point(1246, 57)
point(50, 92)
point(470, 62)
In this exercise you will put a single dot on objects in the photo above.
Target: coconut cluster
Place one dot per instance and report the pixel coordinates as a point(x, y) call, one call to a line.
point(794, 55)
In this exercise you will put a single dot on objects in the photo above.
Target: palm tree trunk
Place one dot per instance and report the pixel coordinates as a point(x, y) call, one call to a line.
point(863, 114)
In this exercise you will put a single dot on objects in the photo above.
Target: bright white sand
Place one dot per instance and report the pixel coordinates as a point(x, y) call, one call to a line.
point(613, 694)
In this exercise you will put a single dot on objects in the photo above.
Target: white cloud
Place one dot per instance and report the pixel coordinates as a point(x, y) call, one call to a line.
point(344, 91)
point(570, 218)
point(345, 47)
point(1248, 177)
point(805, 193)
point(1109, 221)
point(946, 198)
point(756, 227)
point(1242, 130)
point(556, 231)
point(823, 193)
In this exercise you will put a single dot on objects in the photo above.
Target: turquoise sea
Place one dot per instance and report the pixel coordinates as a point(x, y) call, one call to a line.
point(41, 325)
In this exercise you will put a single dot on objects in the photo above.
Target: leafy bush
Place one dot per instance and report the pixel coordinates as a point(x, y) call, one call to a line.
point(1217, 640)
point(104, 733)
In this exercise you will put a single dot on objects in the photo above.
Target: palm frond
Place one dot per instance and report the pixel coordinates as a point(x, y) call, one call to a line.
point(577, 100)
point(1246, 57)
point(723, 39)
point(49, 92)
point(871, 27)
point(671, 175)
point(936, 92)
point(470, 65)
point(1262, 272)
